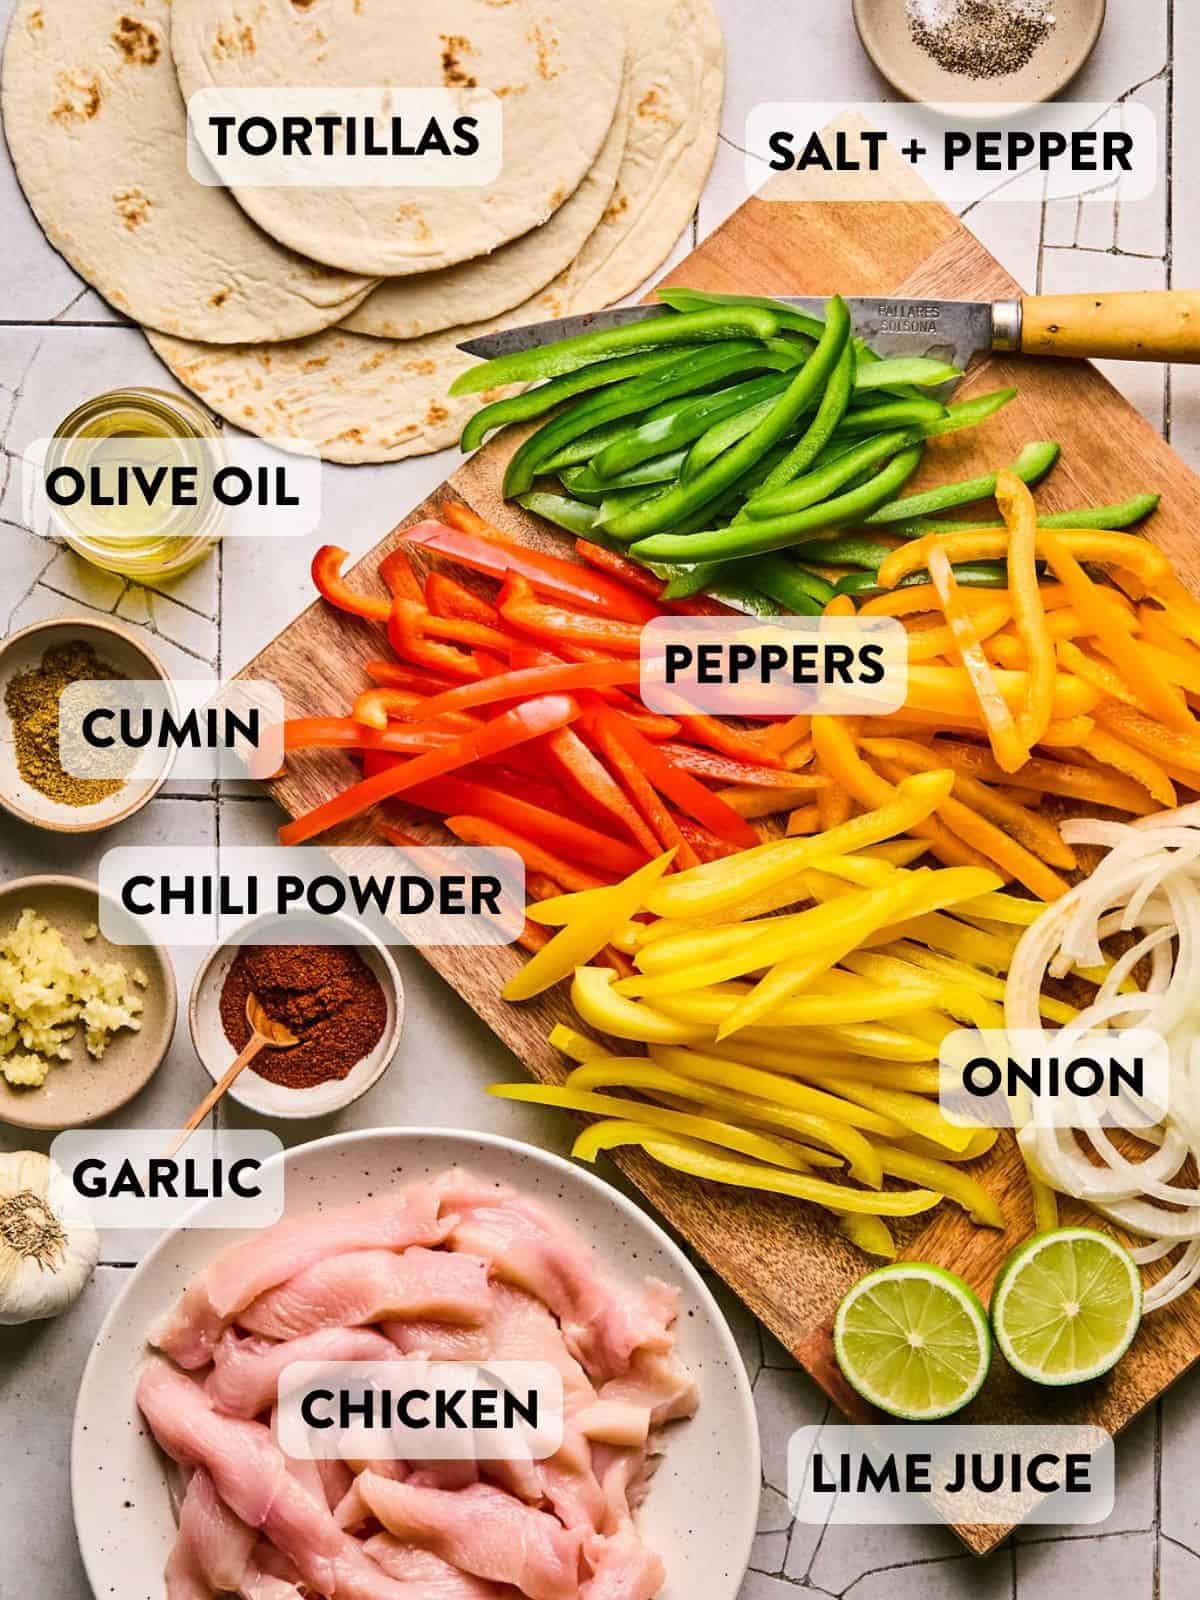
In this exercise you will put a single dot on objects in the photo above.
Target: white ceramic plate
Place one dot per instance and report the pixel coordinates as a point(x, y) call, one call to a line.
point(702, 1508)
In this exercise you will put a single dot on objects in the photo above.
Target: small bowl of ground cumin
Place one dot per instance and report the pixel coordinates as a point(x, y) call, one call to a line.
point(36, 665)
point(343, 1001)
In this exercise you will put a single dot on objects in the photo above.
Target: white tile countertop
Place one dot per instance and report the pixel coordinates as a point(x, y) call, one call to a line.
point(60, 342)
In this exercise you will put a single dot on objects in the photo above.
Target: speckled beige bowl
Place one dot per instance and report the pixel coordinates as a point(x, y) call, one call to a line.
point(119, 649)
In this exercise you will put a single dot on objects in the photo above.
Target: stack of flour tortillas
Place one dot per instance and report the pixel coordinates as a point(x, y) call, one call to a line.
point(332, 315)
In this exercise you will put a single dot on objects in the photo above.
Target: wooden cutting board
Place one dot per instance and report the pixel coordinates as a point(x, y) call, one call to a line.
point(782, 1257)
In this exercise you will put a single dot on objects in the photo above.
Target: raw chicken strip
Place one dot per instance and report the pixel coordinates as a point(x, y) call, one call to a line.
point(346, 1291)
point(483, 1531)
point(622, 1569)
point(602, 1321)
point(251, 1477)
point(245, 1376)
point(247, 1270)
point(213, 1548)
point(438, 1341)
point(656, 1387)
point(441, 1580)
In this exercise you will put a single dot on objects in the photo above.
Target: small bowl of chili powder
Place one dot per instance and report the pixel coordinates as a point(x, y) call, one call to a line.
point(344, 1002)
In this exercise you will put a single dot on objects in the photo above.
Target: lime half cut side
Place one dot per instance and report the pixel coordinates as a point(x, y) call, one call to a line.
point(913, 1340)
point(1066, 1306)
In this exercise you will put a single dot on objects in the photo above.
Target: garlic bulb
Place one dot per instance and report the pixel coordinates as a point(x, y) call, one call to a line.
point(48, 1246)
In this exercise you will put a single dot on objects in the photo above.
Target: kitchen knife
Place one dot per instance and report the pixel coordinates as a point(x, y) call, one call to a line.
point(1151, 325)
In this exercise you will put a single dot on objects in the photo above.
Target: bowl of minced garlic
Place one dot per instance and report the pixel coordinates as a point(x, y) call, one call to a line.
point(40, 782)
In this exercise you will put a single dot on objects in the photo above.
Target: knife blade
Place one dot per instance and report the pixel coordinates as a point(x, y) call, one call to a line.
point(947, 330)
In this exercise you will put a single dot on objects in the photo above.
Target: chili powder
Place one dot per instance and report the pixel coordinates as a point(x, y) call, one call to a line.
point(326, 995)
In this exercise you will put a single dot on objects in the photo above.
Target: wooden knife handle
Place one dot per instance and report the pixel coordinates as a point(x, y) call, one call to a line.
point(1154, 325)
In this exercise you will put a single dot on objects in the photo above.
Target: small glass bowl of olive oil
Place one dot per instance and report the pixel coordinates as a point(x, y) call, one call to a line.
point(132, 534)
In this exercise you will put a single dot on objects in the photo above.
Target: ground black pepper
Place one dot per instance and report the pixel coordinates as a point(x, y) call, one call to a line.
point(980, 38)
point(327, 996)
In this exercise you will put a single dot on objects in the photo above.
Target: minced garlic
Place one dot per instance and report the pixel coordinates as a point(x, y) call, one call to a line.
point(46, 992)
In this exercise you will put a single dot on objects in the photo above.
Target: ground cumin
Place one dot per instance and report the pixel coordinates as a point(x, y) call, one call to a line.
point(31, 700)
point(327, 996)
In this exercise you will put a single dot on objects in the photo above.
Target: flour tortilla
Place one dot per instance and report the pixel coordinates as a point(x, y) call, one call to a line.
point(97, 129)
point(557, 64)
point(406, 308)
point(677, 75)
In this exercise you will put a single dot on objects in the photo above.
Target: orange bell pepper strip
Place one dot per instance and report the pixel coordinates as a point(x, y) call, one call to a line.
point(1110, 751)
point(561, 677)
point(841, 761)
point(678, 785)
point(920, 597)
point(1123, 550)
point(402, 675)
point(804, 820)
point(1182, 609)
point(840, 606)
point(929, 643)
point(1007, 745)
point(1020, 515)
point(1157, 630)
point(780, 737)
point(641, 791)
point(396, 571)
point(835, 804)
point(1099, 674)
point(947, 692)
point(725, 769)
point(406, 634)
point(576, 841)
point(516, 726)
point(565, 581)
point(327, 576)
point(521, 608)
point(446, 597)
point(1158, 697)
point(344, 733)
point(594, 784)
point(743, 744)
point(1071, 782)
point(478, 830)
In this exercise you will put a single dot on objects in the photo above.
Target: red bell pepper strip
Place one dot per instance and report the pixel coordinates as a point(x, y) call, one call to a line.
point(400, 675)
point(565, 581)
point(724, 769)
point(620, 567)
point(560, 678)
point(406, 634)
point(478, 830)
point(514, 727)
point(327, 575)
point(610, 956)
point(343, 733)
point(520, 608)
point(539, 887)
point(645, 797)
point(650, 723)
point(679, 786)
point(556, 832)
point(446, 597)
point(591, 780)
point(402, 582)
point(706, 845)
point(375, 708)
point(533, 937)
point(464, 630)
point(730, 741)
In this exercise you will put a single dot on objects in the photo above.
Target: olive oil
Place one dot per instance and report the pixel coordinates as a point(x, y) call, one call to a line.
point(123, 452)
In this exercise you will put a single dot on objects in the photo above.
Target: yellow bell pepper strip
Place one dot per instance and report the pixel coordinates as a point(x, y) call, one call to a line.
point(1100, 675)
point(1020, 516)
point(1068, 734)
point(998, 720)
point(607, 1072)
point(586, 934)
point(930, 643)
point(718, 885)
point(574, 1044)
point(959, 998)
point(597, 1002)
point(1135, 764)
point(911, 1111)
point(1004, 907)
point(961, 942)
point(1012, 859)
point(895, 852)
point(991, 988)
point(1178, 662)
point(775, 1088)
point(760, 1147)
point(1033, 831)
point(1181, 608)
point(753, 804)
point(918, 598)
point(834, 804)
point(1159, 698)
point(1123, 550)
point(1170, 747)
point(699, 1161)
point(513, 727)
point(1046, 777)
point(1156, 628)
point(948, 1180)
point(836, 746)
point(871, 1235)
point(714, 1006)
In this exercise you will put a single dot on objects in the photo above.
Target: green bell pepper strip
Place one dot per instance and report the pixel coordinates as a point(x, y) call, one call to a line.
point(970, 574)
point(848, 551)
point(758, 538)
point(741, 595)
point(820, 430)
point(1031, 466)
point(920, 371)
point(618, 500)
point(654, 436)
point(584, 483)
point(970, 413)
point(566, 355)
point(824, 483)
point(571, 515)
point(919, 413)
point(1104, 518)
point(680, 299)
point(684, 582)
point(580, 451)
point(686, 497)
point(536, 402)
point(723, 436)
point(804, 593)
point(627, 399)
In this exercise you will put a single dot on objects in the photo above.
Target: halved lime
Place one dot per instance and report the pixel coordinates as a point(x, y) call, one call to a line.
point(913, 1340)
point(1066, 1305)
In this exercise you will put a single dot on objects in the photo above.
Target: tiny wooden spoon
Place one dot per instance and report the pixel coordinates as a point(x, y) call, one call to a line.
point(265, 1034)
